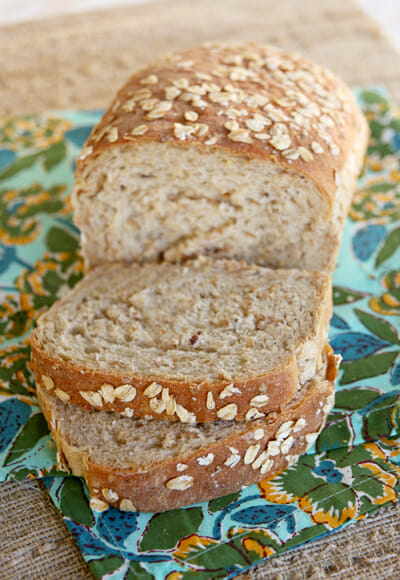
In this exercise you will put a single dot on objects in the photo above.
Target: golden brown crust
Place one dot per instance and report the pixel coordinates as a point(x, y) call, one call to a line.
point(68, 381)
point(250, 100)
point(332, 364)
point(220, 469)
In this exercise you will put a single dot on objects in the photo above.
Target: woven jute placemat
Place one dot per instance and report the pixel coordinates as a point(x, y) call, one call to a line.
point(79, 61)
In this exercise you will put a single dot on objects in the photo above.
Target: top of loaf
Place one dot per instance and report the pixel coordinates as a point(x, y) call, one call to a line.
point(256, 101)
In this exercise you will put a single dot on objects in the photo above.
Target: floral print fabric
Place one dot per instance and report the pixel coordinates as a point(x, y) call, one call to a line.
point(354, 466)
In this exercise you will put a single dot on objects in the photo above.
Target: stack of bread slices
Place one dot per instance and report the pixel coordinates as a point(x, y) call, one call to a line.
point(193, 358)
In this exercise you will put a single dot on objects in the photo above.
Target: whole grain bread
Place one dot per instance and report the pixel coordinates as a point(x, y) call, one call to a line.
point(155, 465)
point(231, 151)
point(199, 341)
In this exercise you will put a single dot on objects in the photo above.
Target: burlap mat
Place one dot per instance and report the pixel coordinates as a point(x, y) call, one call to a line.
point(78, 62)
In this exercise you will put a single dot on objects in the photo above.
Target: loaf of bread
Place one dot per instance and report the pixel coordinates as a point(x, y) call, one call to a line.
point(154, 465)
point(199, 341)
point(230, 151)
point(182, 367)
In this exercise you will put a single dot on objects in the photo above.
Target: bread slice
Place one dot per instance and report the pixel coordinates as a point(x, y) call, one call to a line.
point(202, 341)
point(230, 151)
point(154, 465)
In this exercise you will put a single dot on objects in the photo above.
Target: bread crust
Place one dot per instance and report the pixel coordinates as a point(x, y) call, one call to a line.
point(278, 386)
point(293, 88)
point(163, 486)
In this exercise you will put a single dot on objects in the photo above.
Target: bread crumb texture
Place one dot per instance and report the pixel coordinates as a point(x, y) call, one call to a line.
point(214, 321)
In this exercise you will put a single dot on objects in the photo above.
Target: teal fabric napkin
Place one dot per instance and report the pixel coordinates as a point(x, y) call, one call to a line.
point(354, 467)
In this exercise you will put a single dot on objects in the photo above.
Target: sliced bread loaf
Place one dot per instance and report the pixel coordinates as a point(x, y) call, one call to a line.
point(154, 465)
point(232, 151)
point(202, 341)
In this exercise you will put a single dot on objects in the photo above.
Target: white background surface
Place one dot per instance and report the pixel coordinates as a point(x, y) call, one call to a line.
point(387, 12)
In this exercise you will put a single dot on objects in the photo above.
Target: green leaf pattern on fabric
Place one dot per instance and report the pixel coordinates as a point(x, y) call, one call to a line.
point(166, 529)
point(33, 430)
point(74, 503)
